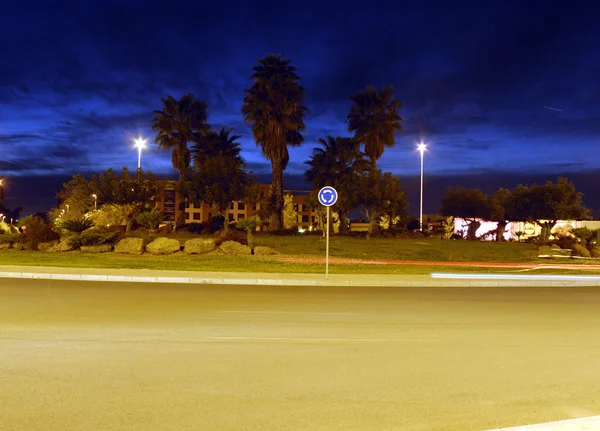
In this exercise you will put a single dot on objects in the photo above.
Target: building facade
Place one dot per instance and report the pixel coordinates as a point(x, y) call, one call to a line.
point(168, 202)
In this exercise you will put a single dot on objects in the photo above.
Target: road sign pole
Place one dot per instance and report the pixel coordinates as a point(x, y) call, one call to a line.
point(327, 248)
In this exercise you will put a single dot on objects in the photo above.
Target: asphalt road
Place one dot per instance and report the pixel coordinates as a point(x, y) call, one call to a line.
point(122, 356)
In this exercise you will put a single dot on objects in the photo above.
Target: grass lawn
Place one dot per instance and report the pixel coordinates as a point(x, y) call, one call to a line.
point(307, 247)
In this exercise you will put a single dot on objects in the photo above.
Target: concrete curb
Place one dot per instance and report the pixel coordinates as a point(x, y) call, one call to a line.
point(373, 280)
point(580, 424)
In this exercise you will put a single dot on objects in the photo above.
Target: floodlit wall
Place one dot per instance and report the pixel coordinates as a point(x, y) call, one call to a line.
point(529, 229)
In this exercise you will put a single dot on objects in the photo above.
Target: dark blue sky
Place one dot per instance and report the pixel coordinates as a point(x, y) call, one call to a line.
point(79, 81)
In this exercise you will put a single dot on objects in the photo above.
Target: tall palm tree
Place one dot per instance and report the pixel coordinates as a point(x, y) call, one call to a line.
point(374, 120)
point(338, 163)
point(274, 105)
point(179, 122)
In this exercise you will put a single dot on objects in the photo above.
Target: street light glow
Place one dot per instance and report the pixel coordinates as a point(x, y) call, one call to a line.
point(139, 144)
point(422, 148)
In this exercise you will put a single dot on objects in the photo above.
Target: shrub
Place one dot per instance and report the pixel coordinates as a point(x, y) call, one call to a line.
point(36, 231)
point(150, 219)
point(77, 225)
point(584, 234)
point(9, 238)
point(232, 235)
point(94, 238)
point(195, 228)
point(285, 232)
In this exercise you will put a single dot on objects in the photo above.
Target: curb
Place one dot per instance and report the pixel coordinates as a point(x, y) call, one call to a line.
point(434, 280)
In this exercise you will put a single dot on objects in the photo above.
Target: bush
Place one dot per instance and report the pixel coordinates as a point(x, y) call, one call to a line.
point(10, 238)
point(150, 219)
point(194, 228)
point(94, 238)
point(584, 234)
point(232, 235)
point(77, 225)
point(36, 231)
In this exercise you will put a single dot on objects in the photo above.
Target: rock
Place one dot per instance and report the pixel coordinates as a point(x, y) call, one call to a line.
point(5, 246)
point(19, 246)
point(261, 250)
point(104, 248)
point(555, 247)
point(199, 245)
point(595, 252)
point(234, 248)
point(47, 246)
point(130, 246)
point(63, 245)
point(580, 251)
point(163, 246)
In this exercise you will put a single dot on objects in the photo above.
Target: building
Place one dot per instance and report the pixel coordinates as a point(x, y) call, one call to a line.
point(168, 203)
point(2, 191)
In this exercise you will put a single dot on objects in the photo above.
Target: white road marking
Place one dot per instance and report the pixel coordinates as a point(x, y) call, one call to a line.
point(327, 340)
point(591, 423)
point(308, 313)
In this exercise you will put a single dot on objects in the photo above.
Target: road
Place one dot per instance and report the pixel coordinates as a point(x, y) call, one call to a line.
point(125, 356)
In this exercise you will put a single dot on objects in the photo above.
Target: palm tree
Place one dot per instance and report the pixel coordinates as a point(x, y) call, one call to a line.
point(338, 163)
point(274, 105)
point(213, 144)
point(178, 123)
point(374, 120)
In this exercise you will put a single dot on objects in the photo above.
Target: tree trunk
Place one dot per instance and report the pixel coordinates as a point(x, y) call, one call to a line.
point(546, 230)
point(180, 200)
point(472, 230)
point(373, 216)
point(250, 239)
point(500, 231)
point(128, 226)
point(225, 212)
point(276, 220)
point(343, 222)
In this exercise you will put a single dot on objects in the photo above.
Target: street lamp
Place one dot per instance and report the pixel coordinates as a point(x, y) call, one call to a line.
point(422, 148)
point(139, 144)
point(95, 196)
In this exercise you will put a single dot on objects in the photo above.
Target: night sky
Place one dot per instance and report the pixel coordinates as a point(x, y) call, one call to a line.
point(502, 94)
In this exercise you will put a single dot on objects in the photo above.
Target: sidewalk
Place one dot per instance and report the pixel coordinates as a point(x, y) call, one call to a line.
point(292, 279)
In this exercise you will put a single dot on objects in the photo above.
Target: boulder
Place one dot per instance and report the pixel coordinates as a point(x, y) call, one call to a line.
point(261, 250)
point(595, 252)
point(580, 251)
point(63, 245)
point(163, 246)
point(130, 246)
point(5, 246)
point(19, 246)
point(199, 245)
point(104, 248)
point(234, 248)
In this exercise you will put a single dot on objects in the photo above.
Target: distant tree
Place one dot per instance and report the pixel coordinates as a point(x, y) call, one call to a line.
point(136, 193)
point(382, 196)
point(338, 163)
point(179, 122)
point(219, 173)
point(374, 120)
point(75, 199)
point(548, 203)
point(290, 214)
point(469, 204)
point(501, 206)
point(274, 105)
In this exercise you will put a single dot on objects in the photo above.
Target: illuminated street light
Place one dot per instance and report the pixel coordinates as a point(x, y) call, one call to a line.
point(95, 196)
point(139, 144)
point(422, 148)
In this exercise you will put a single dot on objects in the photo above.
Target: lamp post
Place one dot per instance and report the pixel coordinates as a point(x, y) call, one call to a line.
point(421, 147)
point(95, 196)
point(139, 144)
